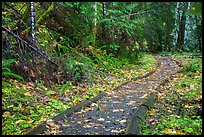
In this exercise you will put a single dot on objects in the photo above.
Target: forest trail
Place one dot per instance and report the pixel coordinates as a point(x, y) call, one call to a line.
point(111, 114)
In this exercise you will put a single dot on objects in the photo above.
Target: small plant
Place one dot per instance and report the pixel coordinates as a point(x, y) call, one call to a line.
point(65, 87)
point(6, 72)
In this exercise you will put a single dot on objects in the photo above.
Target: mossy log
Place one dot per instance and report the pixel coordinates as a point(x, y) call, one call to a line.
point(150, 101)
point(134, 126)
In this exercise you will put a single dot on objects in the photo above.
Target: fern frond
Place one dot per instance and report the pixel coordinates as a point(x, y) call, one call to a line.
point(10, 74)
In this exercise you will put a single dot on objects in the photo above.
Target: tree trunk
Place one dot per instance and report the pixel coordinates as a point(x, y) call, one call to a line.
point(43, 17)
point(104, 25)
point(95, 23)
point(180, 41)
point(177, 18)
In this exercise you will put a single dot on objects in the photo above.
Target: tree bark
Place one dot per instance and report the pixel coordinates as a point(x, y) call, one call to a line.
point(104, 25)
point(181, 32)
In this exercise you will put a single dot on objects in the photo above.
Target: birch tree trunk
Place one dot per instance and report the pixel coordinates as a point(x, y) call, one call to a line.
point(175, 31)
point(104, 25)
point(95, 23)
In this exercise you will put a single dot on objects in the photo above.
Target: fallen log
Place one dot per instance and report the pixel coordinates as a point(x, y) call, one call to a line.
point(135, 124)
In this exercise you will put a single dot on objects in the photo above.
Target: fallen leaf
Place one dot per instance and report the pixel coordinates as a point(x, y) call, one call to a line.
point(28, 119)
point(20, 105)
point(76, 102)
point(137, 82)
point(4, 100)
point(25, 68)
point(159, 96)
point(123, 121)
point(144, 96)
point(95, 124)
point(32, 127)
point(27, 94)
point(118, 110)
point(152, 90)
point(167, 131)
point(101, 119)
point(130, 103)
point(24, 111)
point(123, 95)
point(180, 132)
point(115, 131)
point(139, 101)
point(32, 73)
point(101, 108)
point(94, 104)
point(56, 97)
point(153, 123)
point(23, 86)
point(42, 119)
point(7, 113)
point(87, 126)
point(191, 86)
point(89, 109)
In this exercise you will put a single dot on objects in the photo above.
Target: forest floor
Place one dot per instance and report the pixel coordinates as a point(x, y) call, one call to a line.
point(110, 115)
point(28, 107)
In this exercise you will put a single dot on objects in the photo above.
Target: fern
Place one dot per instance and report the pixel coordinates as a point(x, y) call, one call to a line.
point(10, 74)
point(6, 63)
point(65, 87)
point(6, 72)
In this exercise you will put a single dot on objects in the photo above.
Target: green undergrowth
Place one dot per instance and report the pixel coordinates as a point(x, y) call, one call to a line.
point(176, 110)
point(25, 106)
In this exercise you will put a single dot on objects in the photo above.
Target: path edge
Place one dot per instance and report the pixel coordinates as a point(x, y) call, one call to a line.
point(139, 115)
point(42, 127)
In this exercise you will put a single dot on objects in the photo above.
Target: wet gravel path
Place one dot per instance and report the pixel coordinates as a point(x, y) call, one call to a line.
point(110, 115)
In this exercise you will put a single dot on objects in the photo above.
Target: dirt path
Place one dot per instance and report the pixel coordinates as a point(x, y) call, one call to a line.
point(110, 115)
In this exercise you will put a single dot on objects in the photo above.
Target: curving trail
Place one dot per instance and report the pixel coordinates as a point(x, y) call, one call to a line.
point(110, 115)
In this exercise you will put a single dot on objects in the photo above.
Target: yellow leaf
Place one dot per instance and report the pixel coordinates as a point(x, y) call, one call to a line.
point(20, 105)
point(76, 102)
point(159, 96)
point(27, 94)
point(29, 120)
point(167, 131)
point(180, 132)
